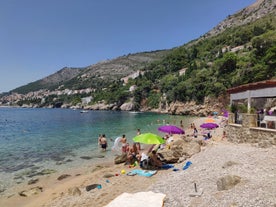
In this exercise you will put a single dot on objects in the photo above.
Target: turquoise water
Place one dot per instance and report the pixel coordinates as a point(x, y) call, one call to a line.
point(32, 140)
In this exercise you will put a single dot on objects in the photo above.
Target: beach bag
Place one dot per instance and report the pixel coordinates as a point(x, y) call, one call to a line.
point(145, 164)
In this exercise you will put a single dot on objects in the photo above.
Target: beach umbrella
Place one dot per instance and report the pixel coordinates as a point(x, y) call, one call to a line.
point(171, 129)
point(149, 138)
point(209, 125)
point(209, 120)
point(225, 113)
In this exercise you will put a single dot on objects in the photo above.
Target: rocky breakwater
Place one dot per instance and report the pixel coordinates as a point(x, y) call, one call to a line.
point(175, 108)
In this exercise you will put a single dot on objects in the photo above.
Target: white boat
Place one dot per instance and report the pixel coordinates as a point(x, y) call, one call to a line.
point(135, 112)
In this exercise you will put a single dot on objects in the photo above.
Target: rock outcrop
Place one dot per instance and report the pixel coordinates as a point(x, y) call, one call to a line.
point(127, 106)
point(179, 150)
point(227, 182)
point(120, 159)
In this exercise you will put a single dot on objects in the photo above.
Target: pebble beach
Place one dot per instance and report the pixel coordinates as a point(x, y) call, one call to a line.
point(255, 167)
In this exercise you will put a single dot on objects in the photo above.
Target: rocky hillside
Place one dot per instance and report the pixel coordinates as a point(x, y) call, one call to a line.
point(80, 78)
point(249, 14)
point(62, 75)
point(182, 80)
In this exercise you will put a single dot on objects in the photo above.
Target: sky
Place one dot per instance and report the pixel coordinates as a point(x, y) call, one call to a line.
point(40, 37)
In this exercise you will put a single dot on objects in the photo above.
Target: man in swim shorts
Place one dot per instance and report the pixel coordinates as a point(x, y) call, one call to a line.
point(103, 142)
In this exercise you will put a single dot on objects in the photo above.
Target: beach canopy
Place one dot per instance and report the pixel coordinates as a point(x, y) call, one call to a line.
point(171, 129)
point(209, 125)
point(149, 138)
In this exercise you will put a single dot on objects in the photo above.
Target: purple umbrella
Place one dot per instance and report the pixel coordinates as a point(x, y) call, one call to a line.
point(225, 113)
point(209, 125)
point(171, 129)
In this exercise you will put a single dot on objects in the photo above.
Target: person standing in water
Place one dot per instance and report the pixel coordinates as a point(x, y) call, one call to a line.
point(99, 139)
point(181, 124)
point(103, 142)
point(124, 143)
point(138, 145)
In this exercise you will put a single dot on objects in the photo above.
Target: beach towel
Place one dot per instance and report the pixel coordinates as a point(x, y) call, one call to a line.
point(187, 165)
point(146, 173)
point(145, 199)
point(167, 166)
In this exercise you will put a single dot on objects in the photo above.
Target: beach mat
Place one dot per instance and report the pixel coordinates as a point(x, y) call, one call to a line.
point(146, 173)
point(145, 199)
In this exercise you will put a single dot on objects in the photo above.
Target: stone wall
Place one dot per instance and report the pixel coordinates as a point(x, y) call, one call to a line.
point(247, 132)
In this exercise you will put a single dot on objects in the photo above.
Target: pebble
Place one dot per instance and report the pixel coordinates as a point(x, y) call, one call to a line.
point(258, 178)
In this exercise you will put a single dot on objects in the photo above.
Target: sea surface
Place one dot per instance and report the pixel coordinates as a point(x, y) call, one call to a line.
point(34, 142)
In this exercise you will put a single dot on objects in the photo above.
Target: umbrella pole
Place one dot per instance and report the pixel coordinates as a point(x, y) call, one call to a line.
point(195, 187)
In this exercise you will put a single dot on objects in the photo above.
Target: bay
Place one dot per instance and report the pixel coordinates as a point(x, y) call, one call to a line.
point(35, 140)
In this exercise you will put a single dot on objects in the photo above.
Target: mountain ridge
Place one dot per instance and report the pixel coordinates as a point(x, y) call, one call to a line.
point(112, 69)
point(201, 69)
point(124, 65)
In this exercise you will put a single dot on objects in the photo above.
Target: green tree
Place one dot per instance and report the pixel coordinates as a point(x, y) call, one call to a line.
point(228, 63)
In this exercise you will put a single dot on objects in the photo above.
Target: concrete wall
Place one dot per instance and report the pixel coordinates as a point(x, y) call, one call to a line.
point(247, 132)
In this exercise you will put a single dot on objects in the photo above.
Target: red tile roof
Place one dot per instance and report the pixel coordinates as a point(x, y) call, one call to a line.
point(253, 86)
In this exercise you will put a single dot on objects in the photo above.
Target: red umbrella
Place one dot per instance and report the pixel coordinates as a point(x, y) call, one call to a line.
point(171, 129)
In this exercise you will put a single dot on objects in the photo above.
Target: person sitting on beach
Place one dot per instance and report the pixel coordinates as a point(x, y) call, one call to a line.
point(155, 162)
point(165, 138)
point(169, 141)
point(124, 144)
point(103, 142)
point(133, 154)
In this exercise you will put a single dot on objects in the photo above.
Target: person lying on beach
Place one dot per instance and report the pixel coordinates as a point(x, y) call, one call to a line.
point(208, 135)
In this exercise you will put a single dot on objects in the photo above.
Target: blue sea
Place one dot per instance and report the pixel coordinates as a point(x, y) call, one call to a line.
point(33, 141)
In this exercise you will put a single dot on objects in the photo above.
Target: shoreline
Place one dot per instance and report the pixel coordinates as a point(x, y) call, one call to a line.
point(258, 187)
point(51, 187)
point(32, 161)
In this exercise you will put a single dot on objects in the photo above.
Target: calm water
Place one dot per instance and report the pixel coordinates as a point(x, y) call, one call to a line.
point(32, 140)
